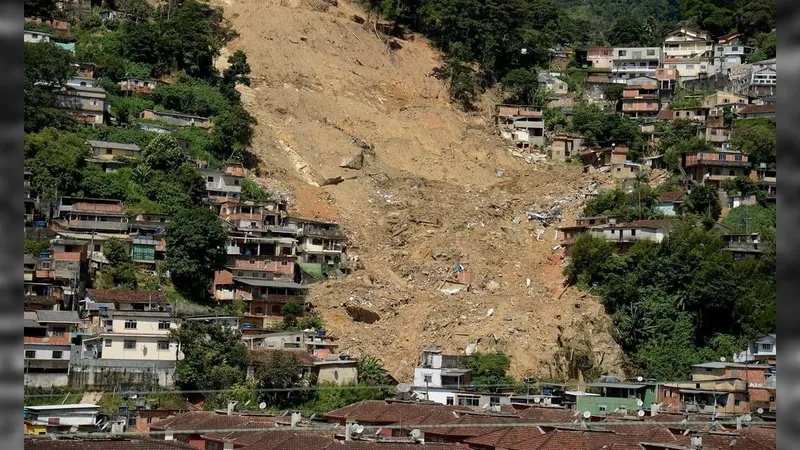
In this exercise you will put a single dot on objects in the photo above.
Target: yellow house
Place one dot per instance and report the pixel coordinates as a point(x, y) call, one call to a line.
point(135, 335)
point(336, 371)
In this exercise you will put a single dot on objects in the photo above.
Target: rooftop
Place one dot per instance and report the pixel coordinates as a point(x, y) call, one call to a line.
point(269, 283)
point(58, 407)
point(104, 443)
point(119, 145)
point(125, 296)
point(757, 109)
point(46, 316)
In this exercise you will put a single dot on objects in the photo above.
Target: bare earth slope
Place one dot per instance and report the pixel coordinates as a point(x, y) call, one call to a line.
point(427, 197)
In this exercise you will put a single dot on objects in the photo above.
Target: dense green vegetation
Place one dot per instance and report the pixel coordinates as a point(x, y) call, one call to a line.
point(681, 302)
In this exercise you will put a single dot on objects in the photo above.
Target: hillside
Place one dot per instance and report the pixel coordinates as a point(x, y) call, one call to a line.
point(427, 197)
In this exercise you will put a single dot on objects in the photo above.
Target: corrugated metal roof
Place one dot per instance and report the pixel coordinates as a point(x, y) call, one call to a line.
point(45, 316)
point(120, 145)
point(269, 283)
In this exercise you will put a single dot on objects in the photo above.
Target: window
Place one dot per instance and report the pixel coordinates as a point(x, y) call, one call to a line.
point(163, 324)
point(30, 353)
point(59, 331)
point(129, 344)
point(651, 52)
point(633, 232)
point(736, 402)
point(602, 408)
point(132, 421)
point(235, 182)
point(97, 247)
point(163, 345)
point(284, 263)
point(108, 342)
point(469, 401)
point(450, 400)
point(57, 354)
point(763, 346)
point(130, 324)
point(240, 274)
point(210, 179)
point(734, 49)
point(427, 378)
point(690, 67)
point(316, 242)
point(622, 53)
point(45, 265)
point(212, 445)
point(494, 401)
point(702, 66)
point(772, 399)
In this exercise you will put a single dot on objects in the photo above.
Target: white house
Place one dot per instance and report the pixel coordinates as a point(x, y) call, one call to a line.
point(633, 62)
point(135, 335)
point(765, 347)
point(36, 36)
point(689, 51)
point(80, 414)
point(650, 230)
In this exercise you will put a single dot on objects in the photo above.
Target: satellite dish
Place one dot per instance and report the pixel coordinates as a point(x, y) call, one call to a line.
point(587, 414)
point(536, 399)
point(359, 429)
point(640, 413)
point(722, 359)
point(403, 387)
point(639, 379)
point(760, 410)
point(747, 418)
point(262, 405)
point(415, 433)
point(639, 402)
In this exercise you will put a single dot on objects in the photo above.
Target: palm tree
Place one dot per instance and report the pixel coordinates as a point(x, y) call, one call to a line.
point(371, 371)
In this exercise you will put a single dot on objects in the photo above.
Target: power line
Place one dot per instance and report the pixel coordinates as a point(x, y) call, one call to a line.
point(576, 425)
point(477, 389)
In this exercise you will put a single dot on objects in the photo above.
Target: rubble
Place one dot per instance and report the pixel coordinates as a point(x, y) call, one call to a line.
point(355, 162)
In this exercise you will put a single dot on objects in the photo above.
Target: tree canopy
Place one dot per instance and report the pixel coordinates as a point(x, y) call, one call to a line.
point(195, 249)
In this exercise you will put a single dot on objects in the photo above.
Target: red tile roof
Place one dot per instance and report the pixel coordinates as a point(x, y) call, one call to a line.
point(97, 207)
point(125, 296)
point(665, 114)
point(223, 277)
point(669, 197)
point(653, 224)
point(210, 420)
point(104, 444)
point(67, 256)
point(382, 412)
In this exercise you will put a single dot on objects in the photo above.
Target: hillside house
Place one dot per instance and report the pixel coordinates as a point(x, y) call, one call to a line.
point(263, 297)
point(35, 37)
point(689, 51)
point(61, 418)
point(743, 245)
point(31, 198)
point(713, 396)
point(260, 255)
point(321, 247)
point(763, 82)
point(763, 349)
point(58, 273)
point(634, 62)
point(626, 234)
point(767, 181)
point(667, 83)
point(615, 396)
point(669, 203)
point(92, 215)
point(138, 85)
point(713, 168)
point(565, 146)
point(723, 98)
point(553, 82)
point(87, 104)
point(176, 118)
point(730, 51)
point(112, 155)
point(524, 124)
point(715, 132)
point(596, 58)
point(47, 341)
point(79, 81)
point(640, 97)
point(223, 185)
point(441, 376)
point(594, 225)
point(756, 112)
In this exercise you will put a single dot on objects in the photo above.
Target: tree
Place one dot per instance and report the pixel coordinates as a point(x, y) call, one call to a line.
point(39, 8)
point(164, 153)
point(757, 139)
point(213, 358)
point(237, 72)
point(489, 370)
point(704, 201)
point(613, 93)
point(291, 310)
point(252, 192)
point(745, 187)
point(371, 372)
point(116, 252)
point(460, 77)
point(47, 67)
point(587, 258)
point(281, 370)
point(56, 160)
point(627, 31)
point(520, 86)
point(192, 182)
point(751, 219)
point(233, 132)
point(195, 249)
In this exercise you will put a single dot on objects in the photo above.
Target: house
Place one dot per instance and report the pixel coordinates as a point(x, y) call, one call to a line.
point(138, 85)
point(440, 376)
point(92, 216)
point(667, 82)
point(730, 51)
point(767, 181)
point(342, 371)
point(763, 82)
point(223, 185)
point(112, 155)
point(553, 82)
point(153, 128)
point(176, 118)
point(61, 418)
point(634, 62)
point(713, 168)
point(723, 98)
point(596, 58)
point(59, 273)
point(79, 81)
point(565, 146)
point(594, 88)
point(524, 124)
point(263, 297)
point(626, 235)
point(388, 412)
point(756, 112)
point(321, 248)
point(640, 97)
point(248, 215)
point(260, 357)
point(127, 300)
point(148, 242)
point(31, 198)
point(187, 428)
point(764, 348)
point(598, 158)
point(697, 115)
point(47, 341)
point(689, 51)
point(87, 104)
point(669, 203)
point(35, 36)
point(615, 396)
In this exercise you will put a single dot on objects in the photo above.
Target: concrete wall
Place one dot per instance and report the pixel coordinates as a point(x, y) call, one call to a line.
point(337, 374)
point(146, 348)
point(604, 405)
point(419, 377)
point(102, 372)
point(46, 380)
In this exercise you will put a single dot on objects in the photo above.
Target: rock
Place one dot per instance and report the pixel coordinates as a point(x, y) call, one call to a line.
point(358, 19)
point(355, 162)
point(492, 286)
point(360, 314)
point(471, 349)
point(328, 178)
point(394, 44)
point(490, 312)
